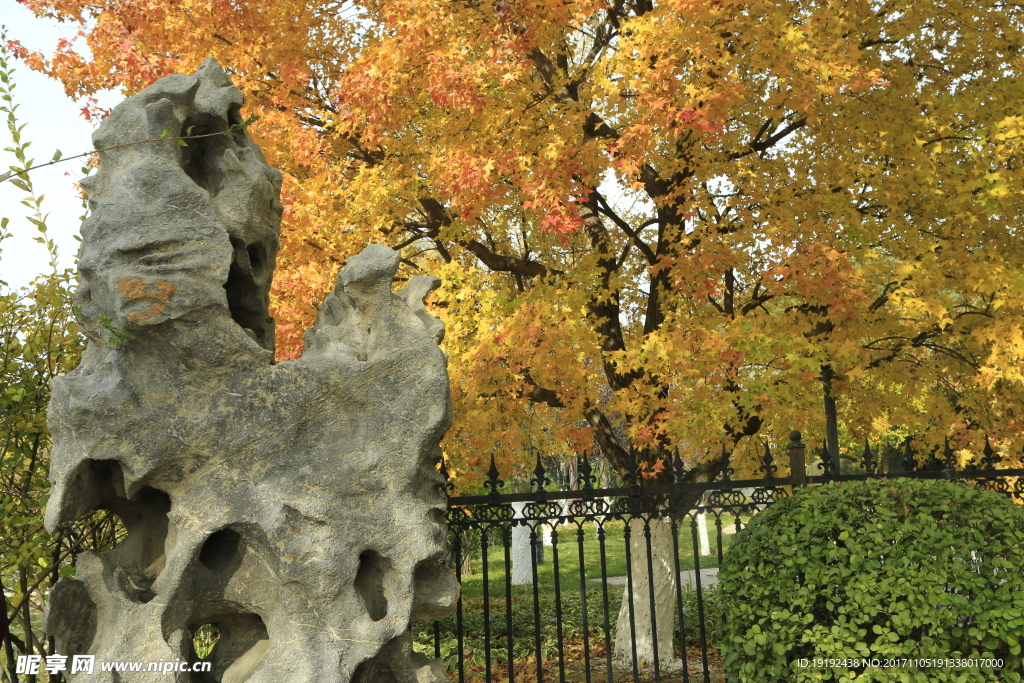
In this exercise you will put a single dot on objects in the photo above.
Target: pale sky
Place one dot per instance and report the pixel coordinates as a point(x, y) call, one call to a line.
point(53, 122)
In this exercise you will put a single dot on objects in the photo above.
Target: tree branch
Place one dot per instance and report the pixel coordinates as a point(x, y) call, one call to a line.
point(437, 218)
point(757, 146)
point(606, 209)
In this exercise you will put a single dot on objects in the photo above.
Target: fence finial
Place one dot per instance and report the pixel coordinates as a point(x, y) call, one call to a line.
point(539, 479)
point(769, 467)
point(868, 457)
point(493, 483)
point(990, 459)
point(585, 477)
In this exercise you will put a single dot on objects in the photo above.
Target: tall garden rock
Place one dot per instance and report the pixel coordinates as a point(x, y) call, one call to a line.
point(294, 506)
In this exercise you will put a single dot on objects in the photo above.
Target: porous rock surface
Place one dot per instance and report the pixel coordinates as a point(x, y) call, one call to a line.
point(294, 506)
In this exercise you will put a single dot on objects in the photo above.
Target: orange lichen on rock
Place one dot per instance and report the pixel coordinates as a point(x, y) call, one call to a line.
point(135, 288)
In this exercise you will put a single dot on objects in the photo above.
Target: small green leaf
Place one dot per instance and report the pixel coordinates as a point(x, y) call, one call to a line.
point(165, 133)
point(56, 155)
point(182, 143)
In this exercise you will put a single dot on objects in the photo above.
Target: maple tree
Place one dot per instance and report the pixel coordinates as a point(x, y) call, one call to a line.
point(658, 224)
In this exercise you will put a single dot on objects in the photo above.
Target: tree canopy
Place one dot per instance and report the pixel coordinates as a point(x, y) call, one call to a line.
point(659, 224)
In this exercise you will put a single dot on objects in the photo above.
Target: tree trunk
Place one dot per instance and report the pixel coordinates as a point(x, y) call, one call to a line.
point(664, 580)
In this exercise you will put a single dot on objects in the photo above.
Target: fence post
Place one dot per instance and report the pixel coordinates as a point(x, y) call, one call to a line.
point(797, 471)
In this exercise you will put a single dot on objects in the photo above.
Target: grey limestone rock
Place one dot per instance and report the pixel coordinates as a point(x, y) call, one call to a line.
point(295, 506)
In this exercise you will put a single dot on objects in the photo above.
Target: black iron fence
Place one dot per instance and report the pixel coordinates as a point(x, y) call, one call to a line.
point(620, 584)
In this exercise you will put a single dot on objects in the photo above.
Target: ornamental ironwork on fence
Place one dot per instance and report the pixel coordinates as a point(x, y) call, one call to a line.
point(563, 618)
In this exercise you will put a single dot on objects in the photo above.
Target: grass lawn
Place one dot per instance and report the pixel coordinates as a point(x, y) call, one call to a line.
point(569, 558)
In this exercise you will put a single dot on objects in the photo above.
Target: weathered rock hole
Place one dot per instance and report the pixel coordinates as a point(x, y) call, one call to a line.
point(373, 671)
point(245, 297)
point(108, 528)
point(193, 158)
point(370, 584)
point(235, 119)
point(97, 500)
point(129, 533)
point(145, 517)
point(232, 642)
point(437, 516)
point(257, 258)
point(205, 639)
point(98, 481)
point(219, 549)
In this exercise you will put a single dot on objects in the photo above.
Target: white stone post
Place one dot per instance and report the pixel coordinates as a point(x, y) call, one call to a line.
point(522, 567)
point(702, 533)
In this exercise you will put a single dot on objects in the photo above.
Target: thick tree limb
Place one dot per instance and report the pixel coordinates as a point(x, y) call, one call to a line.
point(539, 394)
point(501, 262)
point(437, 218)
point(604, 301)
point(604, 433)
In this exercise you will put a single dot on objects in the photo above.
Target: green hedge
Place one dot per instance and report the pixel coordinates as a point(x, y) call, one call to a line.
point(881, 569)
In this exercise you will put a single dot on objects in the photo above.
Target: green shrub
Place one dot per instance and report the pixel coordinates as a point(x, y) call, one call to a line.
point(885, 570)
